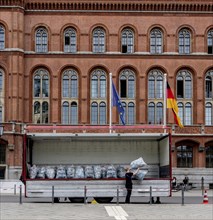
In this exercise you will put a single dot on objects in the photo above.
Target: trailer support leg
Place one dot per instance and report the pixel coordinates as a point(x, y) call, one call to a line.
point(85, 195)
point(117, 195)
point(20, 195)
point(52, 194)
point(151, 198)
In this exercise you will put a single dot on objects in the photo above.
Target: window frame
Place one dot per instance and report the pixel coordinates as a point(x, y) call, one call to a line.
point(41, 42)
point(185, 46)
point(72, 46)
point(99, 40)
point(127, 41)
point(156, 41)
point(2, 37)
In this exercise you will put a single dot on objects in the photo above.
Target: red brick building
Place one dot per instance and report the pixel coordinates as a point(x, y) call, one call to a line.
point(55, 60)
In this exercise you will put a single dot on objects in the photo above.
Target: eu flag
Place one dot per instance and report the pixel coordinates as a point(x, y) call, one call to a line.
point(116, 102)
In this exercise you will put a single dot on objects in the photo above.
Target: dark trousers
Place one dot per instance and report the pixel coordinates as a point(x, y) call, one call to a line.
point(128, 195)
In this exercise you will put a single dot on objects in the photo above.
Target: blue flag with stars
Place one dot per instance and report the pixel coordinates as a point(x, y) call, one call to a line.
point(116, 102)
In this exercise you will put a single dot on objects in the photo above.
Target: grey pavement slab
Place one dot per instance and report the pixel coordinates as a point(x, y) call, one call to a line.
point(44, 211)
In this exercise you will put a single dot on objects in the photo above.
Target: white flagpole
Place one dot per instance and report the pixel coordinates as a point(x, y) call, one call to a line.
point(164, 101)
point(110, 102)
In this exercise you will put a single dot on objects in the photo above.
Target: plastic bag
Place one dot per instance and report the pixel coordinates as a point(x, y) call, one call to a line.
point(141, 174)
point(41, 173)
point(79, 172)
point(111, 172)
point(97, 172)
point(61, 172)
point(70, 172)
point(103, 172)
point(50, 172)
point(121, 172)
point(89, 172)
point(137, 163)
point(33, 172)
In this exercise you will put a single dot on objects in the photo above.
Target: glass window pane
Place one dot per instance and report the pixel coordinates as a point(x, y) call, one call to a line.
point(102, 86)
point(102, 113)
point(2, 38)
point(209, 156)
point(181, 112)
point(37, 86)
point(188, 87)
point(151, 113)
point(208, 114)
point(37, 113)
point(65, 86)
point(45, 86)
point(159, 113)
point(131, 87)
point(151, 87)
point(74, 113)
point(45, 112)
point(209, 87)
point(94, 89)
point(159, 87)
point(74, 86)
point(65, 113)
point(188, 114)
point(131, 113)
point(94, 113)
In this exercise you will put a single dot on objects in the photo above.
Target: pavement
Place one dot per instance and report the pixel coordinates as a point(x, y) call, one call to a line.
point(134, 211)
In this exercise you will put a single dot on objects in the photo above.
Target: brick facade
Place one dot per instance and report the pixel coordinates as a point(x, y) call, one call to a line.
point(19, 60)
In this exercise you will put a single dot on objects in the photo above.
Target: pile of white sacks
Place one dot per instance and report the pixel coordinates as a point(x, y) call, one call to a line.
point(87, 171)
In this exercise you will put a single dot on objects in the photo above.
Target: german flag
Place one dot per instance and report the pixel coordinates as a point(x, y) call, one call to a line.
point(171, 103)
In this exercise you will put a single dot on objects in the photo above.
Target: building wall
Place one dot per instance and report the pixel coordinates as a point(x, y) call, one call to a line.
point(19, 60)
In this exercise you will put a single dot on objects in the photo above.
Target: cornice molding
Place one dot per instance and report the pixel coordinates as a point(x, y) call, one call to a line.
point(112, 5)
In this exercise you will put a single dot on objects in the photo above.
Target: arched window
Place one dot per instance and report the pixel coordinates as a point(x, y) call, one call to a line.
point(155, 84)
point(210, 41)
point(99, 40)
point(155, 97)
point(127, 94)
point(98, 84)
point(184, 156)
point(70, 84)
point(41, 40)
point(69, 97)
point(156, 41)
point(2, 37)
point(98, 97)
point(184, 42)
point(184, 85)
point(127, 84)
point(41, 83)
point(70, 40)
point(127, 42)
point(209, 156)
point(41, 96)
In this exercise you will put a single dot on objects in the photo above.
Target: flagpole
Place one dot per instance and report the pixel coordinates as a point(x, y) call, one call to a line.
point(164, 101)
point(110, 102)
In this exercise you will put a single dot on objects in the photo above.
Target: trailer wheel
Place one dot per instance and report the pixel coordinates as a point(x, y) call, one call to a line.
point(103, 199)
point(76, 200)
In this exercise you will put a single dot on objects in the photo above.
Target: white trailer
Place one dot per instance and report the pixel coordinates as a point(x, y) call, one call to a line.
point(98, 149)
